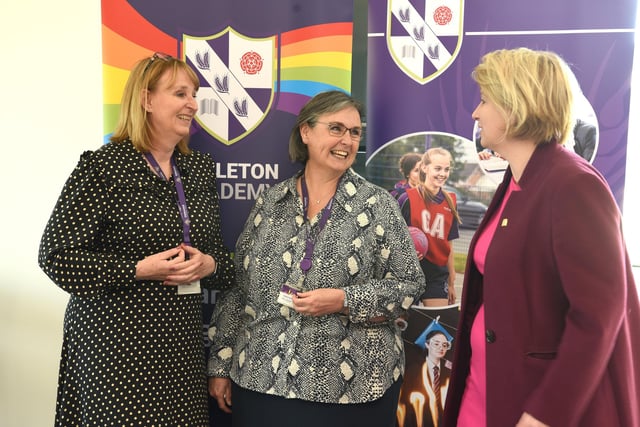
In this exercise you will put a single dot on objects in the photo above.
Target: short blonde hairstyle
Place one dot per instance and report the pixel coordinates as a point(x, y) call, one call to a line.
point(533, 91)
point(145, 75)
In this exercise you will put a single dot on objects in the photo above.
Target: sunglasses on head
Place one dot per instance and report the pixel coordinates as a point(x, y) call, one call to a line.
point(154, 57)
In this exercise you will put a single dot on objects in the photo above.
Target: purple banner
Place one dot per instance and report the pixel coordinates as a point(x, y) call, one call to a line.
point(420, 94)
point(595, 38)
point(258, 64)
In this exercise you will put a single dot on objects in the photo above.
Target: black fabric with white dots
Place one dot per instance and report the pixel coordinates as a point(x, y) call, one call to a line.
point(133, 351)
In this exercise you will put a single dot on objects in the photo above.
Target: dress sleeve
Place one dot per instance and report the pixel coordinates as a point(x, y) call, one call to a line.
point(70, 251)
point(396, 280)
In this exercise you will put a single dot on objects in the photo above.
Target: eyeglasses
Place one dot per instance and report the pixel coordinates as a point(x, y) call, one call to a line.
point(157, 55)
point(338, 129)
point(443, 345)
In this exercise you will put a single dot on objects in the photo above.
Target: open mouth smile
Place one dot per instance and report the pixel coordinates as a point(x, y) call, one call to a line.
point(340, 153)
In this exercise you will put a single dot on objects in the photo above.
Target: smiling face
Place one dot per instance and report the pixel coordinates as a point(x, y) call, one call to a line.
point(436, 171)
point(171, 107)
point(330, 152)
point(437, 346)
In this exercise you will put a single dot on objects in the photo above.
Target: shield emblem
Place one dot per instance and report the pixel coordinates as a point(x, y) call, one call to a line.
point(424, 37)
point(237, 80)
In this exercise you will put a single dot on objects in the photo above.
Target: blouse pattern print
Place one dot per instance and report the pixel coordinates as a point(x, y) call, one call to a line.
point(130, 347)
point(364, 249)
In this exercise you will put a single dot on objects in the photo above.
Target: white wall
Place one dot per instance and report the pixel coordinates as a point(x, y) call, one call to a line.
point(50, 111)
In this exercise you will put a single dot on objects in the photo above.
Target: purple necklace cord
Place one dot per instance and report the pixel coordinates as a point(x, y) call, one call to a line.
point(310, 244)
point(182, 199)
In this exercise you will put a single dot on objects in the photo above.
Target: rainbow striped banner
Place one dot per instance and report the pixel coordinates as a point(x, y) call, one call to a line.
point(314, 59)
point(311, 59)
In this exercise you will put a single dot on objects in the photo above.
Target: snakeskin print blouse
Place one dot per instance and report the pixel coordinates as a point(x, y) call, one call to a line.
point(364, 249)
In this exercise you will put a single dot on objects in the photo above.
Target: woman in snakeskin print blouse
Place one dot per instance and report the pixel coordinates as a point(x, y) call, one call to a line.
point(324, 265)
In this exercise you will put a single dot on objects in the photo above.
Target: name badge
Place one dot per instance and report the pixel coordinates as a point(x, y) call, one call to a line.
point(189, 288)
point(287, 292)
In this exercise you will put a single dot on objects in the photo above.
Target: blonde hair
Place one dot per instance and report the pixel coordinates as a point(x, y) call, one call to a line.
point(145, 77)
point(427, 195)
point(533, 91)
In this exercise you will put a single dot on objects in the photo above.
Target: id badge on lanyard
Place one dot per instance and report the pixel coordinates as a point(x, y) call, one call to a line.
point(193, 287)
point(289, 290)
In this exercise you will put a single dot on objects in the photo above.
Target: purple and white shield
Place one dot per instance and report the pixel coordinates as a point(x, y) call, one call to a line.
point(237, 81)
point(424, 37)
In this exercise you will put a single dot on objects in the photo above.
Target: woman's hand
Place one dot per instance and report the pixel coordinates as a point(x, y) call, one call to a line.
point(319, 302)
point(220, 390)
point(195, 266)
point(176, 266)
point(484, 155)
point(451, 292)
point(159, 266)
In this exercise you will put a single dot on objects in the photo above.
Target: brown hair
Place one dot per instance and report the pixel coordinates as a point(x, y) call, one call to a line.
point(407, 162)
point(324, 102)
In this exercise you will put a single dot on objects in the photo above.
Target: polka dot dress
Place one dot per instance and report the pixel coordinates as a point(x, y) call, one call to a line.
point(133, 351)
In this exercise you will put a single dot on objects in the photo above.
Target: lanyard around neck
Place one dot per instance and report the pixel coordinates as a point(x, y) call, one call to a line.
point(182, 199)
point(310, 244)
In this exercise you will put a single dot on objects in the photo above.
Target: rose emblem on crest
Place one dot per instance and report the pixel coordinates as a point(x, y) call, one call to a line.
point(251, 63)
point(442, 15)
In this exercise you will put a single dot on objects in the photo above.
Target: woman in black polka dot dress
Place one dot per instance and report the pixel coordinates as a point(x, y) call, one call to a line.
point(133, 235)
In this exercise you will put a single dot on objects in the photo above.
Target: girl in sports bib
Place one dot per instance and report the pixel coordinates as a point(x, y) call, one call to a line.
point(433, 210)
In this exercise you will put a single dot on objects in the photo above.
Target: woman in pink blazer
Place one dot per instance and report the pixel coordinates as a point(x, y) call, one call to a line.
point(549, 333)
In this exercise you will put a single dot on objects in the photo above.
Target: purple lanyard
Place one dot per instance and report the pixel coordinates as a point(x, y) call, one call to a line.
point(182, 200)
point(310, 245)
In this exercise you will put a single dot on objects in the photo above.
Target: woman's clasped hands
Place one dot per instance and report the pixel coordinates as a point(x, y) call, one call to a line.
point(176, 266)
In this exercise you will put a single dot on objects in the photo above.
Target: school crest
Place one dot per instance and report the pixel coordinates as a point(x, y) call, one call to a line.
point(237, 80)
point(424, 37)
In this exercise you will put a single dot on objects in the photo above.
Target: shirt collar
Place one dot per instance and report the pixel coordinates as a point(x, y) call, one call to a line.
point(347, 187)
